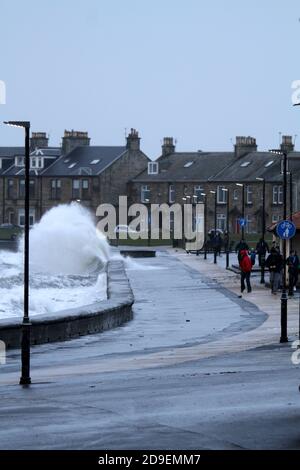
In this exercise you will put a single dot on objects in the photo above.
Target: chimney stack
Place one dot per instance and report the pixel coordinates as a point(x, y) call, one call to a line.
point(168, 146)
point(38, 140)
point(244, 145)
point(133, 140)
point(287, 144)
point(73, 139)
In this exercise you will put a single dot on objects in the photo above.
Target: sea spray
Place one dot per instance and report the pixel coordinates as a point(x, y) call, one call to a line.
point(66, 254)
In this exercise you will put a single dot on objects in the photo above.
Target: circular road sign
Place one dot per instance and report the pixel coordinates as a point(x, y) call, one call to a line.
point(286, 229)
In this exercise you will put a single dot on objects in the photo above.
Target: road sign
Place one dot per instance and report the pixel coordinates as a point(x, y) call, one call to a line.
point(242, 222)
point(286, 229)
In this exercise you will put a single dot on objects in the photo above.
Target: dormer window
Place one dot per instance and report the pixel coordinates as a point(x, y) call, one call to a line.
point(152, 168)
point(20, 162)
point(36, 162)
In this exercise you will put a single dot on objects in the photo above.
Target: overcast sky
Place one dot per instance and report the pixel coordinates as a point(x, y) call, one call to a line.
point(202, 71)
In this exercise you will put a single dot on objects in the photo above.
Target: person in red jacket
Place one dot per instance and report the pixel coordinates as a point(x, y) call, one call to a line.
point(245, 267)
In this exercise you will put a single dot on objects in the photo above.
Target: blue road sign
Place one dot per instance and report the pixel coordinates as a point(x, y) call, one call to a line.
point(286, 229)
point(242, 222)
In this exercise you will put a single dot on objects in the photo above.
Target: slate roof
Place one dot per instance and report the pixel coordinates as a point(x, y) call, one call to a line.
point(200, 167)
point(50, 154)
point(79, 161)
point(220, 167)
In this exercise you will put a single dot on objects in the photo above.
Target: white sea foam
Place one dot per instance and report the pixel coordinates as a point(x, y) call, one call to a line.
point(67, 253)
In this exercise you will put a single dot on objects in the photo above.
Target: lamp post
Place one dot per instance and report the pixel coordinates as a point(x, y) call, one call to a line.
point(25, 342)
point(284, 336)
point(291, 204)
point(263, 228)
point(215, 224)
point(243, 207)
point(205, 224)
point(227, 225)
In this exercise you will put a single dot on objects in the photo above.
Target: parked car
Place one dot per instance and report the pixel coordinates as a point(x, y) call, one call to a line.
point(124, 229)
point(10, 231)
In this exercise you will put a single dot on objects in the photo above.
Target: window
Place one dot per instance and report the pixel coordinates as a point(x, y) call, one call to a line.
point(152, 168)
point(145, 193)
point(21, 217)
point(221, 222)
point(21, 188)
point(235, 194)
point(76, 189)
point(85, 189)
point(20, 161)
point(269, 163)
point(188, 164)
point(249, 194)
point(36, 162)
point(275, 218)
point(55, 189)
point(249, 228)
point(245, 164)
point(94, 162)
point(32, 188)
point(277, 194)
point(172, 193)
point(198, 192)
point(221, 195)
point(72, 165)
point(10, 189)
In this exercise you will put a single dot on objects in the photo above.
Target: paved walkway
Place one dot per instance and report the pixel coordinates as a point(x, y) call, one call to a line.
point(269, 331)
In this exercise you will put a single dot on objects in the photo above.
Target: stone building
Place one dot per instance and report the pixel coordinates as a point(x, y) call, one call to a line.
point(74, 171)
point(218, 177)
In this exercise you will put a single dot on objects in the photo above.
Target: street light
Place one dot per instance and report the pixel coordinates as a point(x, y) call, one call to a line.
point(283, 337)
point(25, 342)
point(243, 207)
point(215, 234)
point(263, 229)
point(205, 224)
point(227, 227)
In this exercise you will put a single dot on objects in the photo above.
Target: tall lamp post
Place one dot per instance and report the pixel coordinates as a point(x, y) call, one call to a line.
point(241, 185)
point(263, 227)
point(205, 224)
point(227, 225)
point(291, 204)
point(284, 336)
point(215, 224)
point(25, 342)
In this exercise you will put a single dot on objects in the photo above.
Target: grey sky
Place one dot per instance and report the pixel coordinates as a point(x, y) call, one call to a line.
point(202, 71)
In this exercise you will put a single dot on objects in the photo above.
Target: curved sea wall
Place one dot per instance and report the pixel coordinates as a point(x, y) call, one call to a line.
point(71, 323)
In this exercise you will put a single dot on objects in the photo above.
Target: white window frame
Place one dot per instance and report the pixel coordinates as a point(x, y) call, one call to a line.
point(221, 222)
point(249, 194)
point(20, 162)
point(221, 195)
point(198, 191)
point(152, 168)
point(277, 194)
point(21, 217)
point(145, 189)
point(172, 193)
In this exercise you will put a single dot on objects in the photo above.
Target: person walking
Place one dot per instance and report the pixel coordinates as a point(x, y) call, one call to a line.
point(245, 267)
point(219, 243)
point(262, 248)
point(274, 263)
point(293, 264)
point(241, 245)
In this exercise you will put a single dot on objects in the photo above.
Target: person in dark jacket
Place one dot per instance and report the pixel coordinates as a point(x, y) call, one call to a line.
point(245, 267)
point(274, 263)
point(219, 243)
point(293, 265)
point(262, 248)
